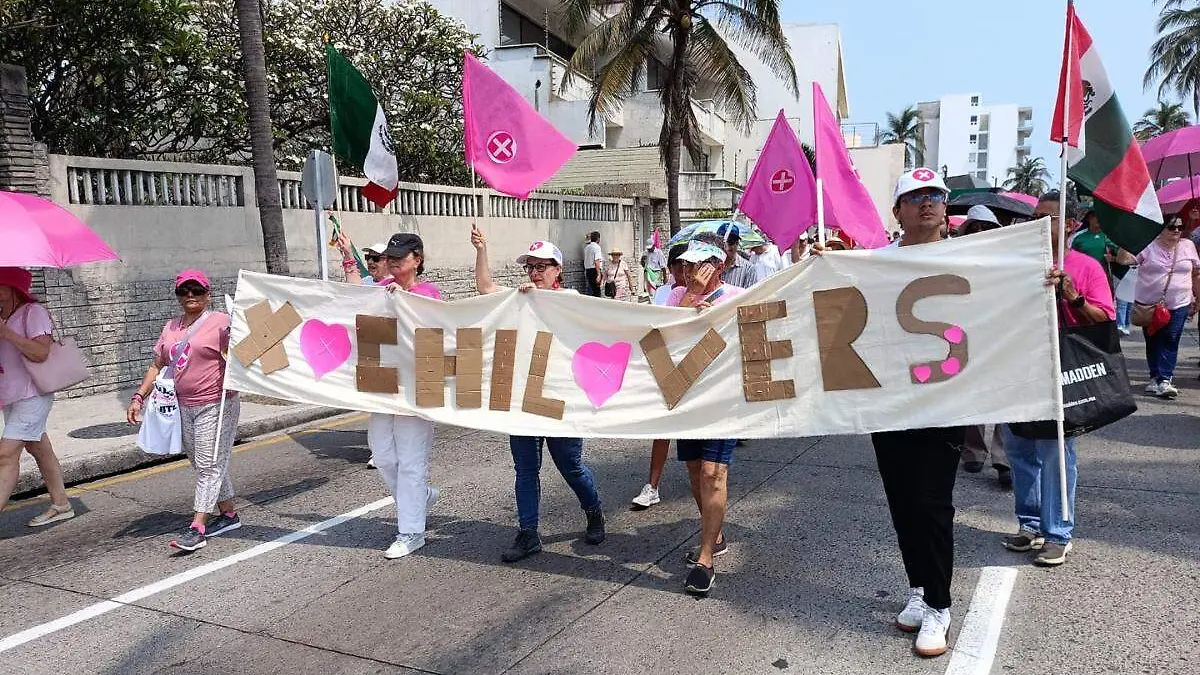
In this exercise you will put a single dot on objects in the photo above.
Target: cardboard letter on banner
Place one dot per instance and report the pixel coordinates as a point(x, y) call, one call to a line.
point(267, 331)
point(837, 344)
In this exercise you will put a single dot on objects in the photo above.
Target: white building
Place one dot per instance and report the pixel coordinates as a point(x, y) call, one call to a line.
point(965, 137)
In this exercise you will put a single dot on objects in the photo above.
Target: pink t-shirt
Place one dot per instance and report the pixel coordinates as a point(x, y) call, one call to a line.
point(1154, 263)
point(727, 291)
point(31, 320)
point(423, 288)
point(1092, 283)
point(200, 371)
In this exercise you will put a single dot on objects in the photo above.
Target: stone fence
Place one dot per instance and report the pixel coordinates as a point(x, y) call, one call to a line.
point(164, 216)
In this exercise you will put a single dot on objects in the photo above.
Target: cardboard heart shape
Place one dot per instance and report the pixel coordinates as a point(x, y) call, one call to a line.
point(922, 373)
point(951, 366)
point(953, 335)
point(599, 369)
point(325, 347)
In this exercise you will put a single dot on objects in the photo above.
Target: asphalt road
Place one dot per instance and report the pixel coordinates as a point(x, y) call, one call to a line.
point(811, 584)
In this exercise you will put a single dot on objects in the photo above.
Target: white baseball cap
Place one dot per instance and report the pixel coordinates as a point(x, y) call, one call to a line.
point(699, 252)
point(983, 214)
point(544, 250)
point(918, 178)
point(377, 249)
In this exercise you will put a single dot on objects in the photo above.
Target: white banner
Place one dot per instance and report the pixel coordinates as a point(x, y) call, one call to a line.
point(953, 333)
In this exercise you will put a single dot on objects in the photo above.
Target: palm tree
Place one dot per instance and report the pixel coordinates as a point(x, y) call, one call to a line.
point(1157, 121)
point(909, 129)
point(266, 180)
point(631, 32)
point(1028, 177)
point(1175, 55)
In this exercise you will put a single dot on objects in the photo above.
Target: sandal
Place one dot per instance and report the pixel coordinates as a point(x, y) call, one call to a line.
point(52, 515)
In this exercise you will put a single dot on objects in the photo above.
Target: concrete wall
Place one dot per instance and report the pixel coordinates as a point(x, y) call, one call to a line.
point(880, 167)
point(161, 217)
point(816, 51)
point(1002, 141)
point(481, 17)
point(591, 169)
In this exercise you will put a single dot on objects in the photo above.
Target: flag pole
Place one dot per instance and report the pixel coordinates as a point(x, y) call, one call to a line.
point(1062, 255)
point(820, 211)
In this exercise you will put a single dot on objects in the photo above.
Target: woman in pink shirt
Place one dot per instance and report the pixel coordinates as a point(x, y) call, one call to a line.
point(25, 336)
point(400, 444)
point(1168, 271)
point(195, 345)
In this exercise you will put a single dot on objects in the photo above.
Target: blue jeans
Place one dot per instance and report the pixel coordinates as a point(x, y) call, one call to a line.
point(567, 454)
point(1162, 348)
point(1123, 311)
point(1035, 485)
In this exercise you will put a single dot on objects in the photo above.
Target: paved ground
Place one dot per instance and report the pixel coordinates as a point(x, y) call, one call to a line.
point(811, 584)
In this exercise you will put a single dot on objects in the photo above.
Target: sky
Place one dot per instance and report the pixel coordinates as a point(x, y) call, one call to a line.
point(1009, 51)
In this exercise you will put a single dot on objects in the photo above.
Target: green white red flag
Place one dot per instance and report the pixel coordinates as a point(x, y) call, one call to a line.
point(360, 131)
point(1102, 157)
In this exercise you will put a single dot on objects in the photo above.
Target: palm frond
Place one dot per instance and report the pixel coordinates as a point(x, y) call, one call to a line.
point(760, 33)
point(736, 92)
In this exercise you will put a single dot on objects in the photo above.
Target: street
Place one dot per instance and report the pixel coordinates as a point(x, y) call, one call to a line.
point(812, 582)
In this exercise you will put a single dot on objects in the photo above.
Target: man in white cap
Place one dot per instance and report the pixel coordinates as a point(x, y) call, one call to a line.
point(654, 267)
point(918, 466)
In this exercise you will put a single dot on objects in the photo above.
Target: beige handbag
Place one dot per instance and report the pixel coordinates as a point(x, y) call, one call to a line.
point(64, 367)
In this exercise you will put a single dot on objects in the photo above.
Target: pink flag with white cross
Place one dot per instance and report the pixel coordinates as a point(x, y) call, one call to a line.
point(781, 196)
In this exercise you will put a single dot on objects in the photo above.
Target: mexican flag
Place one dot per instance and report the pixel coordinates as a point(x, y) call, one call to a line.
point(360, 131)
point(1102, 156)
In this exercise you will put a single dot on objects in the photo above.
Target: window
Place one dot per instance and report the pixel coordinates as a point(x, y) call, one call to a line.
point(516, 29)
point(971, 158)
point(982, 159)
point(656, 74)
point(974, 119)
point(983, 142)
point(975, 100)
point(981, 174)
point(974, 138)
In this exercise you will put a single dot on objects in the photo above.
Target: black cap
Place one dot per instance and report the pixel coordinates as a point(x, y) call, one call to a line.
point(402, 244)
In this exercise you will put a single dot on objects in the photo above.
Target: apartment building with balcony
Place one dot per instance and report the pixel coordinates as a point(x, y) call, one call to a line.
point(963, 136)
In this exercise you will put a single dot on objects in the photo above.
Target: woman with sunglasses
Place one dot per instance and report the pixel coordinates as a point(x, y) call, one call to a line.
point(1168, 272)
point(196, 344)
point(377, 270)
point(543, 264)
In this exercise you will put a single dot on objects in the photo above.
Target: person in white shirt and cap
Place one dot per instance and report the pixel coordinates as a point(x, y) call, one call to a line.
point(654, 267)
point(979, 219)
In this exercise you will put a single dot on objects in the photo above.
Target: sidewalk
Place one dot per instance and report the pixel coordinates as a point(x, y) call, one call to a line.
point(92, 439)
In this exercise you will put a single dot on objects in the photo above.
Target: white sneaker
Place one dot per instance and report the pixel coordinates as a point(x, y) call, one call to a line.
point(1154, 389)
point(909, 620)
point(648, 497)
point(371, 462)
point(931, 641)
point(434, 495)
point(404, 544)
point(1167, 390)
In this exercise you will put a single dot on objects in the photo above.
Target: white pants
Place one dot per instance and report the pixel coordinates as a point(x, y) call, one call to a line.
point(400, 446)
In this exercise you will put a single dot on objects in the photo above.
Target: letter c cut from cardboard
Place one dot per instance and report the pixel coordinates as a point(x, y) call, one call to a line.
point(675, 381)
point(267, 331)
point(952, 334)
point(758, 352)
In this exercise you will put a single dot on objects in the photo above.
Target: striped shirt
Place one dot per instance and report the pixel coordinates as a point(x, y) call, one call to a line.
point(741, 273)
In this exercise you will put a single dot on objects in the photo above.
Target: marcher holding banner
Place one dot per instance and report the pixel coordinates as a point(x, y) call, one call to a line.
point(543, 264)
point(1045, 524)
point(918, 466)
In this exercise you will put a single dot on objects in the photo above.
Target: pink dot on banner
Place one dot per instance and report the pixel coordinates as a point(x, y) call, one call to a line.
point(951, 366)
point(922, 373)
point(953, 335)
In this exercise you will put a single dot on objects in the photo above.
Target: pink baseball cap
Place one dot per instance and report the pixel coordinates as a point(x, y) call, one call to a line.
point(193, 275)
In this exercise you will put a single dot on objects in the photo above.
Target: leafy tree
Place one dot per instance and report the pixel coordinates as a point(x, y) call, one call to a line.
point(906, 128)
point(1157, 121)
point(1175, 55)
point(629, 35)
point(1029, 177)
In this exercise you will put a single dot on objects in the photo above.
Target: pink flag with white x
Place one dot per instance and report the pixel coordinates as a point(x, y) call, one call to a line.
point(781, 195)
point(511, 146)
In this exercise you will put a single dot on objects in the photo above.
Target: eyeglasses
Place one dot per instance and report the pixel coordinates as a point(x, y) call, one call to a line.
point(190, 292)
point(374, 258)
point(539, 267)
point(917, 199)
point(1174, 228)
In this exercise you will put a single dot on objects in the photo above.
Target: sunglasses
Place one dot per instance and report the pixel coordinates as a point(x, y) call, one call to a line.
point(539, 267)
point(190, 292)
point(918, 199)
point(374, 258)
point(1174, 228)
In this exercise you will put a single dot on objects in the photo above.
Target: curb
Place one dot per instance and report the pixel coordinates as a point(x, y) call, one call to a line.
point(129, 457)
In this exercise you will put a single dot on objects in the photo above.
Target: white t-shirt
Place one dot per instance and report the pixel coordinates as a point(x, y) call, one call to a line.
point(661, 294)
point(655, 259)
point(592, 253)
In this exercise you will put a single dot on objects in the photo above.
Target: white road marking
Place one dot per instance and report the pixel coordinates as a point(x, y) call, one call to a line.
point(975, 648)
point(125, 599)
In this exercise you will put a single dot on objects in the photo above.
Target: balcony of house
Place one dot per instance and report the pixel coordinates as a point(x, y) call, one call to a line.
point(860, 134)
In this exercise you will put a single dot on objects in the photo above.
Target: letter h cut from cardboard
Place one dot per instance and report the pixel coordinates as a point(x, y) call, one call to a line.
point(758, 352)
point(433, 366)
point(268, 330)
point(675, 381)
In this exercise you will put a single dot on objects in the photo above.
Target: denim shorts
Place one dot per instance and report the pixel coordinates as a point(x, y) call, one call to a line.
point(719, 450)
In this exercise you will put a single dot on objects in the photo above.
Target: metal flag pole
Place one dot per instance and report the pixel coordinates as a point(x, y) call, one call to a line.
point(224, 390)
point(821, 212)
point(1062, 254)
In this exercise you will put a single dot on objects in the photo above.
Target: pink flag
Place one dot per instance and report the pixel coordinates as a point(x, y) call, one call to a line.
point(847, 203)
point(508, 143)
point(781, 196)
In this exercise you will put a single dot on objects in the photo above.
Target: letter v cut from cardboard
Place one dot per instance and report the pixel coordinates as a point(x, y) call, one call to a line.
point(675, 381)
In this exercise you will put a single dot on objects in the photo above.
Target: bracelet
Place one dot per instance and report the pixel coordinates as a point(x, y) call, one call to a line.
point(138, 399)
point(349, 265)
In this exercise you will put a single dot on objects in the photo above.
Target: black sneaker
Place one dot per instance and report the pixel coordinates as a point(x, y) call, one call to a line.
point(191, 540)
point(1004, 476)
point(526, 544)
point(221, 524)
point(1023, 541)
point(595, 527)
point(700, 580)
point(721, 549)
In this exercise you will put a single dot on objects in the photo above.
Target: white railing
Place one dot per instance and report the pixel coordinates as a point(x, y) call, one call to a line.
point(108, 182)
point(711, 123)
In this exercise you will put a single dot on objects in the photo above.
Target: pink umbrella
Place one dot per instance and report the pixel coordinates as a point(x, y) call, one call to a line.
point(39, 233)
point(1175, 154)
point(1174, 195)
point(1022, 197)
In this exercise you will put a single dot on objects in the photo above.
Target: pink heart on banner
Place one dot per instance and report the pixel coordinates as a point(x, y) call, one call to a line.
point(325, 347)
point(951, 366)
point(922, 373)
point(953, 335)
point(600, 369)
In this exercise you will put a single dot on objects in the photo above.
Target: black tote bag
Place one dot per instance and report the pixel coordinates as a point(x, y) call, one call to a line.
point(1095, 388)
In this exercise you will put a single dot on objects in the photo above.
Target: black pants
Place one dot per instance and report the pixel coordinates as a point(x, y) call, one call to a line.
point(918, 468)
point(593, 282)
